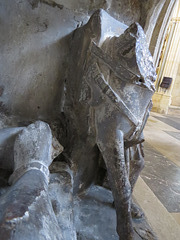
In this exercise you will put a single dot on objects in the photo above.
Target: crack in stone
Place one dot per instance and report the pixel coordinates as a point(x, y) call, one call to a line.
point(51, 3)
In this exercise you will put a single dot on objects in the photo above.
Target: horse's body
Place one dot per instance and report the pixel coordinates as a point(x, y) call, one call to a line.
point(107, 103)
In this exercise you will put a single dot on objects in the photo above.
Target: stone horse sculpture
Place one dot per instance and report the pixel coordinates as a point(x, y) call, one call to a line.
point(108, 99)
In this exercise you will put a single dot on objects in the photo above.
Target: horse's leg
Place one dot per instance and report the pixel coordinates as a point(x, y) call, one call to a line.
point(136, 157)
point(112, 147)
point(136, 163)
point(26, 202)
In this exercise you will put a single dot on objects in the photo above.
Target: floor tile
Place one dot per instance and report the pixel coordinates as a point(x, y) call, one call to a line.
point(174, 134)
point(163, 178)
point(176, 216)
point(172, 121)
point(161, 221)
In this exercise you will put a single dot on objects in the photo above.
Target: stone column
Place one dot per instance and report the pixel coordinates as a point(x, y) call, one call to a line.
point(169, 64)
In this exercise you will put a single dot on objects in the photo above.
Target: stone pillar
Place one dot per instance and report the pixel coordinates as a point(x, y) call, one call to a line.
point(169, 64)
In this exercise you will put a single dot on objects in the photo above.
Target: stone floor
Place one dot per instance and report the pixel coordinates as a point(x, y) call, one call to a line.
point(160, 179)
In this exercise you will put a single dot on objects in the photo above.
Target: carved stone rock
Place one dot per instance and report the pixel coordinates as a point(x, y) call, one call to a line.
point(107, 102)
point(25, 209)
point(108, 99)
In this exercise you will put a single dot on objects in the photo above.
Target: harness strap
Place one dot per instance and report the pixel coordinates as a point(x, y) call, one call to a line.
point(118, 69)
point(110, 93)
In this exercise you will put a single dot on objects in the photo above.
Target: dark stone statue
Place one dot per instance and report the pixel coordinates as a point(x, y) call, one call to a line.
point(108, 99)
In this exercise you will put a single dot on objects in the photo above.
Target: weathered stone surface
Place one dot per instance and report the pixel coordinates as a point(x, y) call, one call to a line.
point(26, 211)
point(108, 98)
point(80, 124)
point(7, 138)
point(87, 90)
point(26, 204)
point(33, 149)
point(61, 195)
point(57, 148)
point(34, 49)
point(95, 217)
point(106, 104)
point(33, 57)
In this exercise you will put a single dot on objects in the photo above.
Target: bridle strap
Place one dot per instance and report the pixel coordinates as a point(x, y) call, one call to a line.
point(110, 93)
point(117, 69)
point(117, 101)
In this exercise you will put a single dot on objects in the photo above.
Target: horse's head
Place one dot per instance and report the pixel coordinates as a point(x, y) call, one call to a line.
point(127, 67)
point(131, 55)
